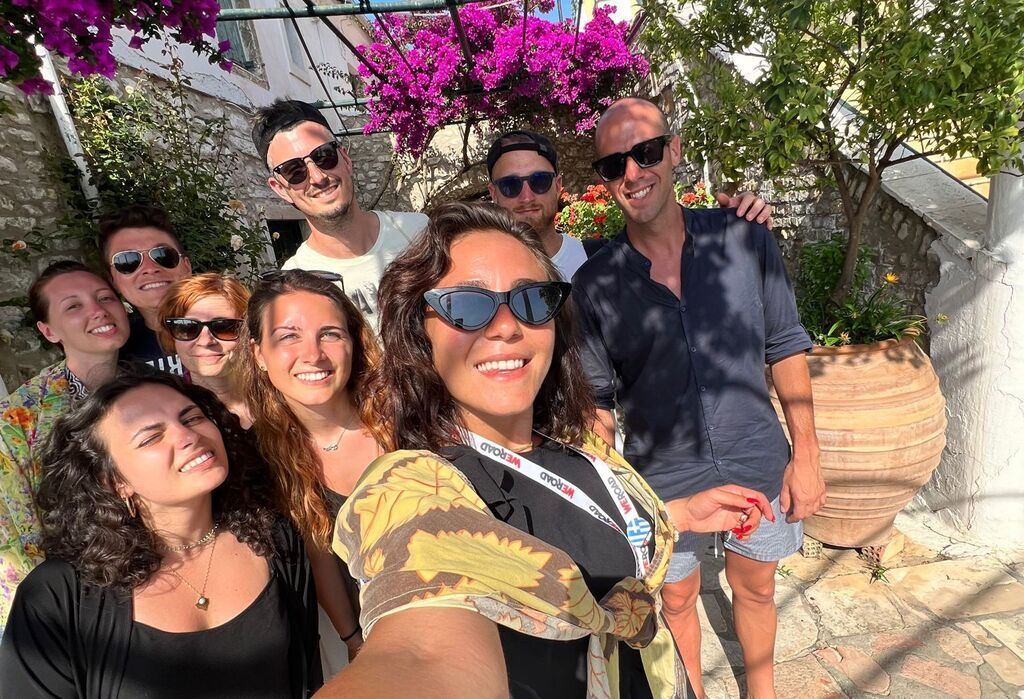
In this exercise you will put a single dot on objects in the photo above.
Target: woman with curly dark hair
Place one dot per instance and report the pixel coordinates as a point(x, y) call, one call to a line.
point(514, 553)
point(303, 371)
point(168, 573)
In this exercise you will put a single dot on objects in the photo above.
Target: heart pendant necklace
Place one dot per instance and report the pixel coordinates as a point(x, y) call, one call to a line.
point(202, 602)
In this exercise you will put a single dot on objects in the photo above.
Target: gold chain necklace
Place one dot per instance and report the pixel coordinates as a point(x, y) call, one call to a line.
point(203, 602)
point(201, 541)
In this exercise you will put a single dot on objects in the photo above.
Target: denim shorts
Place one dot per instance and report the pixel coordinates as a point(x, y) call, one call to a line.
point(772, 541)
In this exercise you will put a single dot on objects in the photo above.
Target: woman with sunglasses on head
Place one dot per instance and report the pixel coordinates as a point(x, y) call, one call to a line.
point(78, 310)
point(514, 553)
point(168, 572)
point(308, 351)
point(200, 320)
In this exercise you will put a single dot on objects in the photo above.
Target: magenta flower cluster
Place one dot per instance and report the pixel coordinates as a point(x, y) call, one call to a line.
point(80, 30)
point(544, 82)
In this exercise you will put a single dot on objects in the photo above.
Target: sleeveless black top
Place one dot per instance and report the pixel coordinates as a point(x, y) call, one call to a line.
point(244, 658)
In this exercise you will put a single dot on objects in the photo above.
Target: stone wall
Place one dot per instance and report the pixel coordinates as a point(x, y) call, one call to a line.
point(808, 210)
point(28, 201)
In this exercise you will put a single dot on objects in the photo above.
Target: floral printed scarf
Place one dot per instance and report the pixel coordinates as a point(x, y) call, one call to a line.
point(416, 534)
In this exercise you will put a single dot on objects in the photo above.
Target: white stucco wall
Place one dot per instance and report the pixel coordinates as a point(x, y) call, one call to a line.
point(285, 77)
point(979, 357)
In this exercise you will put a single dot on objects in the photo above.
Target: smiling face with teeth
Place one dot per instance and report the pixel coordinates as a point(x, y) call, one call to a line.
point(167, 452)
point(208, 355)
point(306, 349)
point(324, 195)
point(146, 287)
point(645, 195)
point(83, 315)
point(493, 374)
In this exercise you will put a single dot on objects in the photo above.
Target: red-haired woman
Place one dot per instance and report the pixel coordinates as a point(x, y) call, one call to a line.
point(200, 319)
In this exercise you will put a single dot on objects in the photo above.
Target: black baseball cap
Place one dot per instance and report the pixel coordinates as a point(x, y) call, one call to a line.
point(521, 140)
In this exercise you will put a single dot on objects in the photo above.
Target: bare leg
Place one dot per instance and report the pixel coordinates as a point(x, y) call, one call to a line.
point(753, 608)
point(680, 607)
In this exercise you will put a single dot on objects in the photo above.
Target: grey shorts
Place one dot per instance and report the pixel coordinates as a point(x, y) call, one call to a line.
point(772, 541)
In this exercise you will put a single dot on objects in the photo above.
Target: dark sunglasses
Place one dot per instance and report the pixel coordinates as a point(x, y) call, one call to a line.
point(188, 329)
point(295, 171)
point(127, 261)
point(511, 186)
point(272, 275)
point(645, 154)
point(472, 308)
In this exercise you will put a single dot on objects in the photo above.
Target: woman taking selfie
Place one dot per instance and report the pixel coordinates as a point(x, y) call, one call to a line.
point(308, 351)
point(514, 553)
point(78, 310)
point(200, 319)
point(167, 574)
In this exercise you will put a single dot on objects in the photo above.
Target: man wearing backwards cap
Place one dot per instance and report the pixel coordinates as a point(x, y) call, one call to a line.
point(312, 171)
point(523, 170)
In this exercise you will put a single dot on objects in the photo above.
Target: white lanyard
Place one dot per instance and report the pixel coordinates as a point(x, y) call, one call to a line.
point(638, 529)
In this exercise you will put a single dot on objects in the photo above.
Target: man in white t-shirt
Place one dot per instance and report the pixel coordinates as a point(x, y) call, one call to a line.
point(523, 170)
point(312, 171)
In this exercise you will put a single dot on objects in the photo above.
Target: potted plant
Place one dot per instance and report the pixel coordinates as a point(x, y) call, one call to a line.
point(879, 413)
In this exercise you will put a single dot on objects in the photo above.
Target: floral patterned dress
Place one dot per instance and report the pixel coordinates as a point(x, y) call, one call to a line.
point(26, 417)
point(417, 534)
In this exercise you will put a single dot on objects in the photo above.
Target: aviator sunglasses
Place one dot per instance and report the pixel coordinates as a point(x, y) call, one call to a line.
point(645, 154)
point(127, 261)
point(511, 186)
point(295, 171)
point(472, 308)
point(188, 329)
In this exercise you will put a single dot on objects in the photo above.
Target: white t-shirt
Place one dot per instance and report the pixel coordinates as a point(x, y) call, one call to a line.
point(362, 274)
point(569, 257)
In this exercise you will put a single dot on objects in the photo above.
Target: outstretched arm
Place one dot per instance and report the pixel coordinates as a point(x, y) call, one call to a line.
point(433, 653)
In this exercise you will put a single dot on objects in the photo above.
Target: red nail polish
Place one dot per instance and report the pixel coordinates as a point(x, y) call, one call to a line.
point(752, 500)
point(737, 531)
point(748, 528)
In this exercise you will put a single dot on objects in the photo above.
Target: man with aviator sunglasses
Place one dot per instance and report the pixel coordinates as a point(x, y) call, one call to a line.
point(681, 314)
point(144, 258)
point(522, 167)
point(310, 170)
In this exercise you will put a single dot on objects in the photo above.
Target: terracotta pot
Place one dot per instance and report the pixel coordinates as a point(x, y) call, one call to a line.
point(881, 423)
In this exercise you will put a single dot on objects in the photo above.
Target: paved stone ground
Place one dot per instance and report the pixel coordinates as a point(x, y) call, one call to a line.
point(947, 620)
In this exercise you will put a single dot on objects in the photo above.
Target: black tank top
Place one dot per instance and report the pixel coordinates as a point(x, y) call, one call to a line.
point(245, 658)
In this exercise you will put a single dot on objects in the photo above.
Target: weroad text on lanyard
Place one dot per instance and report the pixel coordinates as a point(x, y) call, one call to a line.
point(638, 529)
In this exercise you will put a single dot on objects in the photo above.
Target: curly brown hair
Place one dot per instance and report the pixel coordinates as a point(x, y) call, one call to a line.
point(84, 520)
point(407, 391)
point(283, 440)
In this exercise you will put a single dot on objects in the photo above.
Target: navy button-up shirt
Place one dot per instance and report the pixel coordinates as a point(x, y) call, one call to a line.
point(689, 373)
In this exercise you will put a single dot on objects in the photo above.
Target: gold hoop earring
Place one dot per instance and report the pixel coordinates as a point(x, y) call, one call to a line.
point(129, 502)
